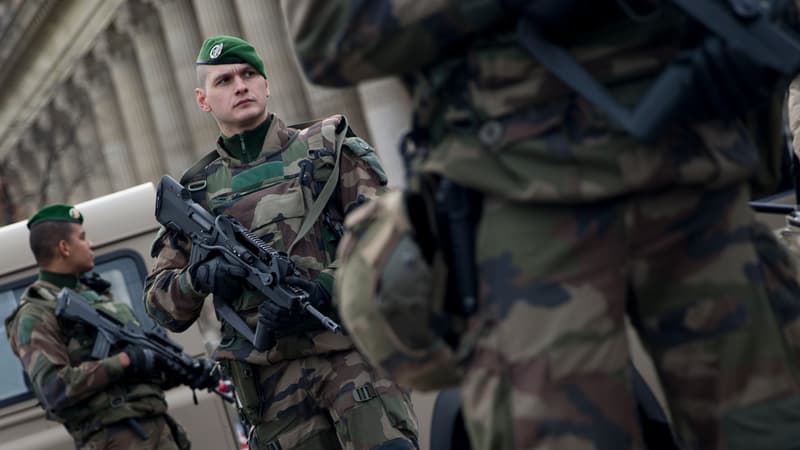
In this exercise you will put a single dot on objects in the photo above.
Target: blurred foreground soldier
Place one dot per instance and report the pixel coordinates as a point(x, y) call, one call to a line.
point(579, 208)
point(116, 402)
point(794, 114)
point(790, 234)
point(292, 187)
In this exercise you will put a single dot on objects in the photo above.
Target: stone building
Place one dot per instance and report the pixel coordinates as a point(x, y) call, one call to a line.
point(97, 95)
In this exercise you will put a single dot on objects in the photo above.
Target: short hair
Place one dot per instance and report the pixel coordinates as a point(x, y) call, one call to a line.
point(202, 74)
point(44, 238)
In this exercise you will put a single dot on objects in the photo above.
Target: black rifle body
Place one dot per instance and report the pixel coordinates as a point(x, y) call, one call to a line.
point(195, 373)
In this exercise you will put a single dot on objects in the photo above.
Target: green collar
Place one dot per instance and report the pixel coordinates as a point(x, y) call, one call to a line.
point(68, 280)
point(247, 145)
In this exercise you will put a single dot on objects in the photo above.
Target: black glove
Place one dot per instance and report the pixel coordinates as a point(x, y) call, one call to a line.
point(219, 277)
point(96, 282)
point(145, 364)
point(203, 375)
point(277, 318)
point(317, 295)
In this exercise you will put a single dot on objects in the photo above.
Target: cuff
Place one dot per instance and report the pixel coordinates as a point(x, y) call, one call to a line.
point(186, 286)
point(114, 367)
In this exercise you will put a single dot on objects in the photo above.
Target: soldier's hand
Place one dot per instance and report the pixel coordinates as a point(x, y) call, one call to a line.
point(144, 363)
point(317, 294)
point(219, 277)
point(203, 375)
point(275, 317)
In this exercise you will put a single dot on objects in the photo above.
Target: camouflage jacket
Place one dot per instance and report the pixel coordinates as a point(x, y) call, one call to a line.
point(81, 393)
point(271, 195)
point(494, 119)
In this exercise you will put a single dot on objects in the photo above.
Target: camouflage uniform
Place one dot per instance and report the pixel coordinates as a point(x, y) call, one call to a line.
point(313, 390)
point(91, 398)
point(582, 224)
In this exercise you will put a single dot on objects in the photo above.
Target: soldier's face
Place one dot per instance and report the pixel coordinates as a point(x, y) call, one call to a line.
point(236, 95)
point(77, 250)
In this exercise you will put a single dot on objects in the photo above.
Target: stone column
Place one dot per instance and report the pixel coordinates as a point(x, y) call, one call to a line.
point(264, 27)
point(43, 142)
point(140, 20)
point(88, 140)
point(93, 78)
point(216, 17)
point(130, 92)
point(12, 195)
point(74, 174)
point(100, 183)
point(90, 163)
point(183, 42)
point(387, 107)
point(26, 179)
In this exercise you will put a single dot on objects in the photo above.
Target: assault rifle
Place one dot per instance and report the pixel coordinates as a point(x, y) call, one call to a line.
point(195, 373)
point(223, 235)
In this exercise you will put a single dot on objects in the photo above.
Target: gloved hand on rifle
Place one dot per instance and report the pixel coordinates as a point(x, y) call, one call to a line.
point(199, 376)
point(147, 367)
point(278, 318)
point(219, 277)
point(203, 375)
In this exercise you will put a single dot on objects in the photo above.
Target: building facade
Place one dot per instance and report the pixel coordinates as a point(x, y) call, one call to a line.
point(98, 94)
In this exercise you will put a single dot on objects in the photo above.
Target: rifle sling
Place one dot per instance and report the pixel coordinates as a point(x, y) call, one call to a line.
point(322, 199)
point(230, 316)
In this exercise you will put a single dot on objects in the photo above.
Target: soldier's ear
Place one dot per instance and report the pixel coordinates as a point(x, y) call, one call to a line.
point(200, 96)
point(266, 81)
point(62, 248)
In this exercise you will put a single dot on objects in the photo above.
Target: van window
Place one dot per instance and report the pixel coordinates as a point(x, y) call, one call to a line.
point(125, 270)
point(12, 381)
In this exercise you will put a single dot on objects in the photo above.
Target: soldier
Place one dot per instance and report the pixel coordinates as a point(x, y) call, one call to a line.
point(578, 222)
point(794, 114)
point(116, 402)
point(292, 188)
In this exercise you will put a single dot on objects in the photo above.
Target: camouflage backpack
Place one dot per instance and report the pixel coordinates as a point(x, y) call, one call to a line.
point(390, 295)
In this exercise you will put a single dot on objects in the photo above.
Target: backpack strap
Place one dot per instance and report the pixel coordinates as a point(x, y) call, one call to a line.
point(197, 187)
point(341, 131)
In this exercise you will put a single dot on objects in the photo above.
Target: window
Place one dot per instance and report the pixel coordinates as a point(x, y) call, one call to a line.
point(125, 270)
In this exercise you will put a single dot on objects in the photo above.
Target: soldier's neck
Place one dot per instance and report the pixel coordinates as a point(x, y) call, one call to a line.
point(68, 280)
point(247, 145)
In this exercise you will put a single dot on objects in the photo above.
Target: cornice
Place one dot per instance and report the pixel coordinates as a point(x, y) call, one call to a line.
point(67, 31)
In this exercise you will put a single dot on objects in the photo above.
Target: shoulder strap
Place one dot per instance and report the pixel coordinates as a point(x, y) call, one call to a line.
point(197, 188)
point(198, 167)
point(325, 194)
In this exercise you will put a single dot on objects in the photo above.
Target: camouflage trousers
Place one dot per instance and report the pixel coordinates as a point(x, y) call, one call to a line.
point(711, 293)
point(121, 436)
point(332, 401)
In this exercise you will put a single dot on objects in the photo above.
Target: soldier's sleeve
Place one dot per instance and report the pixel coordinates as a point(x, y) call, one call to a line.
point(340, 42)
point(37, 340)
point(794, 114)
point(169, 297)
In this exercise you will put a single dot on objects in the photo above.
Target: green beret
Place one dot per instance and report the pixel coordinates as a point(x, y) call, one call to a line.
point(230, 50)
point(56, 212)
